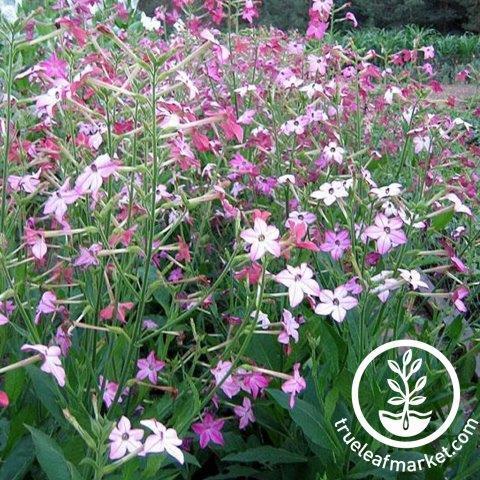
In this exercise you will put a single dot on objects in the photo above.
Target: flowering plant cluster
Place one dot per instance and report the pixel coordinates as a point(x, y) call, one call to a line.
point(202, 232)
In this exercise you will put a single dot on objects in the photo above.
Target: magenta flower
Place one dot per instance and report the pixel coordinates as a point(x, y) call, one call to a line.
point(295, 385)
point(209, 430)
point(124, 438)
point(290, 328)
point(387, 232)
point(254, 383)
point(51, 361)
point(262, 238)
point(245, 413)
point(299, 281)
point(149, 367)
point(336, 243)
point(335, 303)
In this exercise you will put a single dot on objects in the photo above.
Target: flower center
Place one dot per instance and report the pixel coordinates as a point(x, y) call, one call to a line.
point(94, 168)
point(337, 242)
point(387, 229)
point(336, 302)
point(261, 238)
point(125, 436)
point(330, 191)
point(298, 277)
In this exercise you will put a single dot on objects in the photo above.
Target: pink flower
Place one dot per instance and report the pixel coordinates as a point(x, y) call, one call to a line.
point(51, 361)
point(332, 152)
point(290, 328)
point(254, 383)
point(124, 438)
point(35, 239)
point(209, 430)
point(336, 243)
point(298, 230)
point(422, 143)
point(387, 232)
point(245, 413)
point(110, 390)
point(262, 238)
point(48, 304)
point(351, 17)
point(162, 439)
point(119, 311)
point(295, 385)
point(229, 384)
point(335, 303)
point(28, 183)
point(458, 295)
point(88, 256)
point(249, 11)
point(58, 202)
point(301, 217)
point(299, 281)
point(148, 367)
point(92, 177)
point(6, 309)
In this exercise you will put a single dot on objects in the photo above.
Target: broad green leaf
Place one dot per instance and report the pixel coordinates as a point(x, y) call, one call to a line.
point(307, 417)
point(50, 456)
point(18, 462)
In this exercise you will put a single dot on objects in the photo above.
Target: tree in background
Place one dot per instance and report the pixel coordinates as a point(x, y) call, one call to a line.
point(285, 14)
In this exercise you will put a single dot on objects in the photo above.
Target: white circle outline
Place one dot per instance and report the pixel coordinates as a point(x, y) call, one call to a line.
point(455, 385)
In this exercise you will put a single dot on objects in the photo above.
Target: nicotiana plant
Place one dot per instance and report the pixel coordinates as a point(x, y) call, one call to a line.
point(206, 225)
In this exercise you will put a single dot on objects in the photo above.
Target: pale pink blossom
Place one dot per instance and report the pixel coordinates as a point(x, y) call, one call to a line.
point(149, 367)
point(290, 328)
point(299, 281)
point(229, 384)
point(262, 238)
point(413, 278)
point(387, 232)
point(335, 303)
point(58, 201)
point(330, 192)
point(47, 304)
point(333, 152)
point(51, 361)
point(422, 143)
point(93, 176)
point(124, 439)
point(162, 439)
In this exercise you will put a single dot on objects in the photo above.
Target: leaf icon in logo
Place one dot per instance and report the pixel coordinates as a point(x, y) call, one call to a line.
point(395, 386)
point(407, 357)
point(415, 367)
point(420, 384)
point(417, 400)
point(396, 401)
point(394, 366)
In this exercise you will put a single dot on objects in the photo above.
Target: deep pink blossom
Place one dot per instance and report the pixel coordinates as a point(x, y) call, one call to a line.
point(149, 367)
point(336, 243)
point(245, 413)
point(209, 430)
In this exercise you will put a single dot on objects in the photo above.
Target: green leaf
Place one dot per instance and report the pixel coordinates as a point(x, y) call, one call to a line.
point(439, 222)
point(44, 391)
point(14, 384)
point(18, 462)
point(306, 416)
point(265, 455)
point(50, 456)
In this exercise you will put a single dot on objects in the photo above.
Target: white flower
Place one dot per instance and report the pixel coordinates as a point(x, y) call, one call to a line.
point(330, 192)
point(150, 23)
point(413, 278)
point(392, 190)
point(335, 303)
point(262, 238)
point(162, 439)
point(333, 152)
point(262, 319)
point(458, 206)
point(299, 281)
